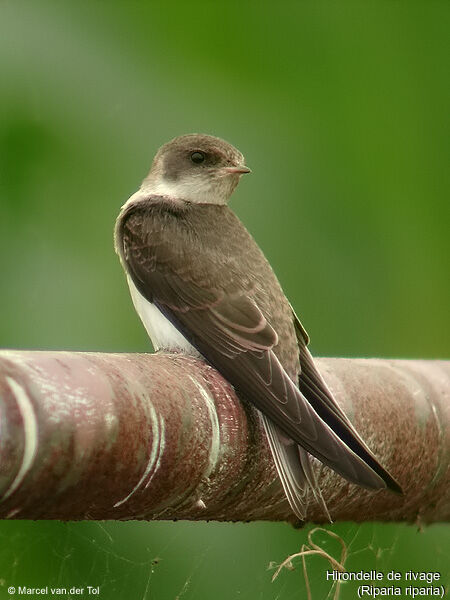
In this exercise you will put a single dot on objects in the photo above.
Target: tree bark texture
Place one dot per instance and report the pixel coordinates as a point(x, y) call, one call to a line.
point(164, 436)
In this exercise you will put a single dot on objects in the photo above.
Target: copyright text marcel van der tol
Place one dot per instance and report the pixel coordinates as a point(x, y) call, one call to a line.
point(23, 590)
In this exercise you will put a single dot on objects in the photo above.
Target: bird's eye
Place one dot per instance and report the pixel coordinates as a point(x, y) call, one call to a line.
point(197, 157)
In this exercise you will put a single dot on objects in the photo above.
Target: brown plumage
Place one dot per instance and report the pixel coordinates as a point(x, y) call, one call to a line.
point(194, 261)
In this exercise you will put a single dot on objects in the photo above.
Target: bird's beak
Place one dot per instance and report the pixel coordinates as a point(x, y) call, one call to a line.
point(238, 170)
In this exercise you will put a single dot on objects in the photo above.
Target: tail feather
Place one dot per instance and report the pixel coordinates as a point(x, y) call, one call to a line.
point(295, 471)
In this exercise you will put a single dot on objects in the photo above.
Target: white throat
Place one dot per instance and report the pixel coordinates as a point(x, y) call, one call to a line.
point(195, 189)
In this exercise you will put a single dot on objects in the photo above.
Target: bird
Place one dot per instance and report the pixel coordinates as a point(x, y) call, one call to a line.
point(202, 286)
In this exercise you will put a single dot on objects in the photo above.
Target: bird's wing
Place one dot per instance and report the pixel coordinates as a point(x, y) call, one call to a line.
point(316, 391)
point(231, 332)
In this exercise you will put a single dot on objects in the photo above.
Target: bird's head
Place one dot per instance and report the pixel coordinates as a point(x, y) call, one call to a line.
point(196, 168)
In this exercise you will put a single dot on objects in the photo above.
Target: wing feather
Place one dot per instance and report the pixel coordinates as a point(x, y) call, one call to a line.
point(314, 388)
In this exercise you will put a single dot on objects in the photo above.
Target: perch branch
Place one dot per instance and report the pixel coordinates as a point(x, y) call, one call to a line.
point(138, 436)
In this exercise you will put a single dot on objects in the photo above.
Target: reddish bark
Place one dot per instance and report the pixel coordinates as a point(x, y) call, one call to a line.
point(133, 436)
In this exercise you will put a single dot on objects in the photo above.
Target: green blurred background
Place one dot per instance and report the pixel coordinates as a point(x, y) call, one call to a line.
point(341, 109)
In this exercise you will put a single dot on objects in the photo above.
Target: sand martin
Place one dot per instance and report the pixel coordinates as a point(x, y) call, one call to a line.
point(201, 285)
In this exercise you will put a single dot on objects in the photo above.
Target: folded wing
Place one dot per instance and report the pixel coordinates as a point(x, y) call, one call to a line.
point(231, 332)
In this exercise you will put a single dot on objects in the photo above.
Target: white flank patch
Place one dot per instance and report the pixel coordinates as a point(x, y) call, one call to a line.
point(30, 430)
point(215, 429)
point(156, 450)
point(163, 334)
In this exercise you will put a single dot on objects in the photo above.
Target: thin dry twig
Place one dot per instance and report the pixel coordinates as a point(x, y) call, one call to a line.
point(314, 549)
